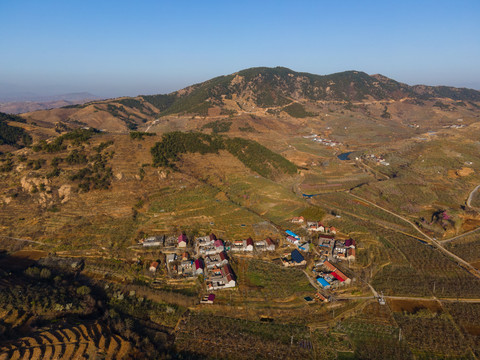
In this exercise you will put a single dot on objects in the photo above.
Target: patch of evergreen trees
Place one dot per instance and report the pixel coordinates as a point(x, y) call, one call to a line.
point(253, 155)
point(13, 135)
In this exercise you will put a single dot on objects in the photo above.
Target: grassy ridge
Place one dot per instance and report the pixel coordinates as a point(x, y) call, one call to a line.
point(253, 155)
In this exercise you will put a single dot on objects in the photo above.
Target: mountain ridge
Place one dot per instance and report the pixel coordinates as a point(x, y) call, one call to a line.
point(260, 90)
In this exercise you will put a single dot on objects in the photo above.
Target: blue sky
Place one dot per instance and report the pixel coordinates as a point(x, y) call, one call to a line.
point(113, 48)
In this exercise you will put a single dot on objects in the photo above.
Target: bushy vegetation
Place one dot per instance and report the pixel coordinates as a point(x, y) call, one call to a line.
point(135, 104)
point(139, 135)
point(258, 158)
point(76, 157)
point(96, 176)
point(161, 102)
point(121, 113)
point(35, 164)
point(218, 126)
point(7, 164)
point(297, 110)
point(39, 292)
point(13, 135)
point(103, 145)
point(76, 137)
point(11, 117)
point(255, 156)
point(271, 98)
point(441, 105)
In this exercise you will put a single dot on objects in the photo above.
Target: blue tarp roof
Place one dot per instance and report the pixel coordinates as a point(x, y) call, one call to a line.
point(323, 282)
point(291, 233)
point(296, 256)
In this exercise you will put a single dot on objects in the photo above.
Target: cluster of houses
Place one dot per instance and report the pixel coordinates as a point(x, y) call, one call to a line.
point(314, 226)
point(380, 160)
point(327, 247)
point(209, 257)
point(335, 249)
point(323, 141)
point(454, 126)
point(249, 245)
point(213, 262)
point(329, 276)
point(165, 241)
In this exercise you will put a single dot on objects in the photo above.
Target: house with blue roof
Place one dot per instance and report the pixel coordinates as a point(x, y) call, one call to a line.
point(324, 283)
point(291, 233)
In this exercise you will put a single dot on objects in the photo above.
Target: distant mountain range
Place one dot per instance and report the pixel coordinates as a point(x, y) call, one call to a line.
point(259, 90)
point(21, 102)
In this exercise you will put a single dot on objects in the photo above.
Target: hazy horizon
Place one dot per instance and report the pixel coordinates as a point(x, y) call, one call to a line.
point(115, 49)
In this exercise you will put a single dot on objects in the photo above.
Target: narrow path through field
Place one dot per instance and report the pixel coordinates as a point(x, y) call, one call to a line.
point(413, 298)
point(459, 236)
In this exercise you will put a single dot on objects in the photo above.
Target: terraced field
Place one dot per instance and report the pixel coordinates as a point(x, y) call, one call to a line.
point(77, 342)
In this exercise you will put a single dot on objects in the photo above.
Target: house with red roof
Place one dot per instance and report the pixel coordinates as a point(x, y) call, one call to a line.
point(199, 266)
point(153, 266)
point(265, 245)
point(270, 244)
point(315, 226)
point(182, 241)
point(249, 244)
point(219, 246)
point(208, 299)
point(336, 273)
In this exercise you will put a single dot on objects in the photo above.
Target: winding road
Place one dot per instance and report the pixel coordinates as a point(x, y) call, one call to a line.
point(470, 197)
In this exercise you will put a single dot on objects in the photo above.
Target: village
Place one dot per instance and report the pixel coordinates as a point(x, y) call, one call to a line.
point(323, 141)
point(320, 252)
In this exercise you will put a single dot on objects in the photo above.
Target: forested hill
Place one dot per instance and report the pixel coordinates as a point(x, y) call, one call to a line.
point(271, 87)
